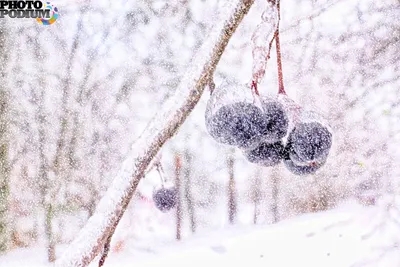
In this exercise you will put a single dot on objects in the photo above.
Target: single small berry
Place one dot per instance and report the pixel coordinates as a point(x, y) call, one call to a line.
point(310, 141)
point(165, 198)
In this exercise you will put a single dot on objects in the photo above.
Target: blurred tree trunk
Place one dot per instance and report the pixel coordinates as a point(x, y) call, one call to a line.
point(188, 190)
point(51, 249)
point(4, 143)
point(232, 202)
point(178, 166)
point(256, 195)
point(275, 194)
point(45, 183)
point(4, 180)
point(61, 165)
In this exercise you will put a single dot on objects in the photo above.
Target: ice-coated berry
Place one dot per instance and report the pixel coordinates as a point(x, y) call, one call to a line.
point(313, 152)
point(217, 125)
point(165, 198)
point(277, 120)
point(240, 124)
point(248, 126)
point(308, 168)
point(266, 154)
point(309, 141)
point(234, 117)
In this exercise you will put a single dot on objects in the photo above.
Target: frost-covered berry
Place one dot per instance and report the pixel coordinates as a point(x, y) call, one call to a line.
point(165, 198)
point(307, 148)
point(309, 141)
point(217, 125)
point(239, 124)
point(277, 120)
point(266, 154)
point(233, 118)
point(248, 126)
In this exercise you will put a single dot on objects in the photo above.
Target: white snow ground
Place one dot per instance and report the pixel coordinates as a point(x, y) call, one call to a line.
point(333, 238)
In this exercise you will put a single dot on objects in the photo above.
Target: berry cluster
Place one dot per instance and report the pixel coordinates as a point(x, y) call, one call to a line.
point(267, 129)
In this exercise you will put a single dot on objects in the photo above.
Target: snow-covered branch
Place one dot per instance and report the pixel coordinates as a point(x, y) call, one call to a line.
point(172, 114)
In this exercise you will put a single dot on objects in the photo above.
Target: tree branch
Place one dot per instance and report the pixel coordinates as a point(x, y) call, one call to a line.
point(163, 126)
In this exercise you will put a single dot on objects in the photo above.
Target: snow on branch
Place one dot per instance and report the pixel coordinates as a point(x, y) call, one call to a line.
point(90, 241)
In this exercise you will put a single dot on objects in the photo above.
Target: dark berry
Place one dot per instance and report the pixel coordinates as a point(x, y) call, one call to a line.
point(298, 165)
point(165, 198)
point(218, 125)
point(277, 120)
point(309, 141)
point(266, 154)
point(248, 126)
point(232, 118)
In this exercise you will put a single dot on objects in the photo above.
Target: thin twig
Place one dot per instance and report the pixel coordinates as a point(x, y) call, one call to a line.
point(270, 47)
point(316, 14)
point(254, 88)
point(278, 53)
point(211, 85)
point(160, 171)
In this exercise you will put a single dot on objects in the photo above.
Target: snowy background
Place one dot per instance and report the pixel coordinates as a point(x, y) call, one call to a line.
point(75, 95)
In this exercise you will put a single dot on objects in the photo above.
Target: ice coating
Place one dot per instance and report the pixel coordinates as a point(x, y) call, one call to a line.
point(229, 93)
point(293, 110)
point(233, 117)
point(261, 38)
point(298, 114)
point(309, 140)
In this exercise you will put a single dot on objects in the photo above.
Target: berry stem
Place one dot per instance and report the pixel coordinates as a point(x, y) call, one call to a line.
point(254, 87)
point(211, 85)
point(281, 89)
point(161, 173)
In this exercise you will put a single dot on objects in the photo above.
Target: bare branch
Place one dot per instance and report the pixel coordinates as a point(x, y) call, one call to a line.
point(61, 142)
point(312, 16)
point(106, 249)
